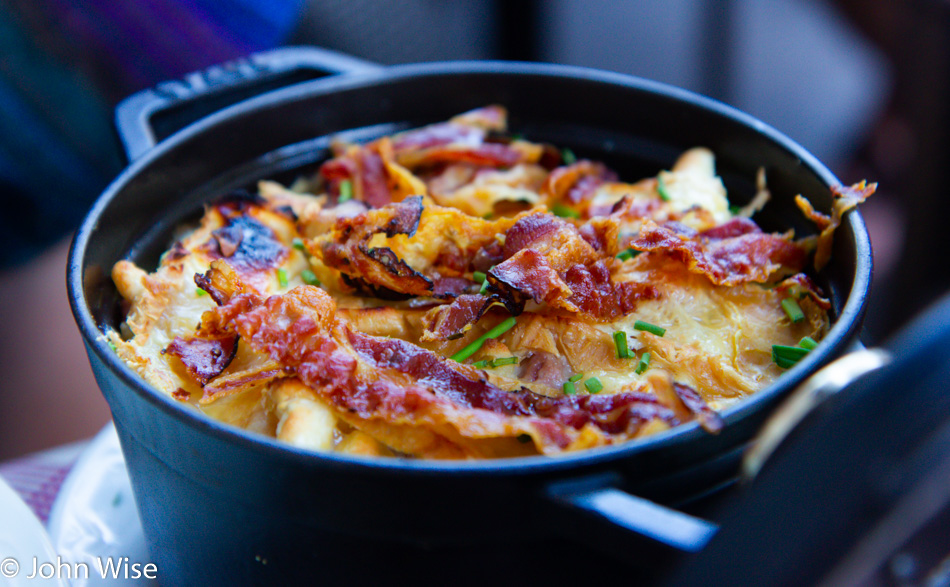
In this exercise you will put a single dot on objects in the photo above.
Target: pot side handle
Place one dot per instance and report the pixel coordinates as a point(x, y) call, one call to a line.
point(596, 501)
point(149, 116)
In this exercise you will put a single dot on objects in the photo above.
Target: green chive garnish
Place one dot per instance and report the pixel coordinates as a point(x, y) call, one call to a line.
point(627, 254)
point(620, 341)
point(786, 356)
point(593, 385)
point(282, 277)
point(298, 243)
point(111, 345)
point(569, 388)
point(479, 277)
point(200, 292)
point(495, 332)
point(487, 216)
point(568, 157)
point(480, 364)
point(565, 212)
point(661, 189)
point(501, 361)
point(346, 190)
point(484, 287)
point(643, 364)
point(647, 327)
point(793, 310)
point(309, 277)
point(807, 343)
point(575, 377)
point(734, 210)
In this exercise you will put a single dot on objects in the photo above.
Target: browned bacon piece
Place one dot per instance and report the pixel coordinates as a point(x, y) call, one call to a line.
point(597, 295)
point(436, 250)
point(730, 254)
point(451, 321)
point(204, 358)
point(694, 402)
point(845, 198)
point(348, 249)
point(365, 168)
point(392, 381)
point(575, 184)
point(805, 285)
point(550, 261)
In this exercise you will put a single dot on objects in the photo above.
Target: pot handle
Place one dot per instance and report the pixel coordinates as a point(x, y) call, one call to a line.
point(597, 501)
point(149, 116)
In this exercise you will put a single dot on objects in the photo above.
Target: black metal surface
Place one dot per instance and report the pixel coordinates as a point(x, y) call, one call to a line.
point(216, 501)
point(857, 494)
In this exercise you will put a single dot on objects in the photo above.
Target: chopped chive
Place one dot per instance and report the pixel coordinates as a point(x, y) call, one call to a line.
point(501, 361)
point(734, 210)
point(807, 343)
point(346, 190)
point(628, 254)
point(593, 385)
point(575, 377)
point(517, 137)
point(309, 277)
point(569, 388)
point(643, 364)
point(298, 243)
point(784, 363)
point(661, 189)
point(647, 327)
point(487, 215)
point(495, 332)
point(786, 356)
point(568, 157)
point(484, 287)
point(200, 292)
point(620, 341)
point(480, 364)
point(111, 345)
point(793, 310)
point(479, 277)
point(564, 211)
point(282, 277)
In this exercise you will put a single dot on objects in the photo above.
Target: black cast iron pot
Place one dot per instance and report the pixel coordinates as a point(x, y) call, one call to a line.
point(224, 506)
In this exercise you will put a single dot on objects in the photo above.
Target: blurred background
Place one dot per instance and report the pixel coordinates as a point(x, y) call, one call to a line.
point(863, 84)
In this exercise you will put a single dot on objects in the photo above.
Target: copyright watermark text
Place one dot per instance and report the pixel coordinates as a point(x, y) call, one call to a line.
point(103, 567)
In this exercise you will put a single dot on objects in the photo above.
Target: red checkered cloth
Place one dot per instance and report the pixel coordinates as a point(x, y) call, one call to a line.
point(38, 477)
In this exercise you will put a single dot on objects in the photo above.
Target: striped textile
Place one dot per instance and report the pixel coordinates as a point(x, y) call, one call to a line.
point(37, 478)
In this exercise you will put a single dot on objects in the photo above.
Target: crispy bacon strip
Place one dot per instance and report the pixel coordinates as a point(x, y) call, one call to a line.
point(394, 381)
point(365, 168)
point(575, 184)
point(430, 252)
point(730, 254)
point(551, 261)
point(204, 358)
point(803, 284)
point(450, 321)
point(597, 295)
point(347, 248)
point(845, 198)
point(460, 140)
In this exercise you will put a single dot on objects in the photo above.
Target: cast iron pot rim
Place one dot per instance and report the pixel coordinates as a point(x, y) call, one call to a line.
point(838, 337)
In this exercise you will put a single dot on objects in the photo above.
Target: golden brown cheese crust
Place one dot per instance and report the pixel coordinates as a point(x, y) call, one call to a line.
point(424, 242)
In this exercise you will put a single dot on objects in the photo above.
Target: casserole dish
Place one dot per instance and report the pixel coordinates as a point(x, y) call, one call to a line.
point(222, 505)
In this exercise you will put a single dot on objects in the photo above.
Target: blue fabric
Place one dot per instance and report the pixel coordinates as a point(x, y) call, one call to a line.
point(65, 64)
